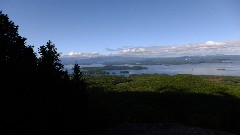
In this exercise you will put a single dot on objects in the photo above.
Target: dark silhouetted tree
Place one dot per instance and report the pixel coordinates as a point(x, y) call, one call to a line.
point(78, 98)
point(37, 96)
point(16, 58)
point(18, 67)
point(77, 74)
point(49, 65)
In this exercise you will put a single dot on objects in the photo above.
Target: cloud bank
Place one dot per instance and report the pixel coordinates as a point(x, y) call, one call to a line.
point(79, 54)
point(206, 48)
point(196, 49)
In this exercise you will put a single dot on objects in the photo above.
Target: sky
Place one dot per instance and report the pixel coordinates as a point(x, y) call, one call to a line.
point(129, 27)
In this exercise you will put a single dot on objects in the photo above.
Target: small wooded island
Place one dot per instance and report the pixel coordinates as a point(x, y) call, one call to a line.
point(103, 70)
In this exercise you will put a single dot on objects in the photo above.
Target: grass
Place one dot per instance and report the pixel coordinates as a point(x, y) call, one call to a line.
point(194, 100)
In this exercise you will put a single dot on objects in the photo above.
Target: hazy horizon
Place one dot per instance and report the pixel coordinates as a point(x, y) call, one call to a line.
point(193, 49)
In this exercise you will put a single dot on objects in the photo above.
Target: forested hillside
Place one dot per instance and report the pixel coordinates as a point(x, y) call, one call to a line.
point(211, 102)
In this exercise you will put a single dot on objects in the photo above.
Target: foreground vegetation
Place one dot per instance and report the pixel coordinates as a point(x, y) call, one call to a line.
point(37, 96)
point(203, 101)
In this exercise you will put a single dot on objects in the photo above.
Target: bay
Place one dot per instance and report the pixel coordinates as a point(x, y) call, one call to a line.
point(220, 69)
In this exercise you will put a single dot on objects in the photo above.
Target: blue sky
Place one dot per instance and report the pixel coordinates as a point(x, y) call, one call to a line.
point(132, 26)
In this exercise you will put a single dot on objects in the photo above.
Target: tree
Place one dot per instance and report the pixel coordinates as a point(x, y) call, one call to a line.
point(17, 75)
point(78, 98)
point(18, 61)
point(11, 43)
point(40, 93)
point(77, 74)
point(49, 65)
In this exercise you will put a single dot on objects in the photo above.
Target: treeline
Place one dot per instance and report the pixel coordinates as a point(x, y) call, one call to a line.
point(37, 94)
point(102, 70)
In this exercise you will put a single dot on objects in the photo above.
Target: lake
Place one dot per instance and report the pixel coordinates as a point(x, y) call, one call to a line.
point(221, 69)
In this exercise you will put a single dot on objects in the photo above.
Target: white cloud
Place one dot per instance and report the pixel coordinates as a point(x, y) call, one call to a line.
point(212, 43)
point(133, 50)
point(205, 48)
point(79, 54)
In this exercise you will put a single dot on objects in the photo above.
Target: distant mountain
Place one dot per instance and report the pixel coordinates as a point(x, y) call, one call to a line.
point(101, 59)
point(119, 60)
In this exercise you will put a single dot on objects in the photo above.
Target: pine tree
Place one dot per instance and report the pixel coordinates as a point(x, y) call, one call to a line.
point(49, 64)
point(18, 61)
point(77, 74)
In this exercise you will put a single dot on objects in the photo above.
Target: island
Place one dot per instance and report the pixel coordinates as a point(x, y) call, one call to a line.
point(104, 69)
point(124, 71)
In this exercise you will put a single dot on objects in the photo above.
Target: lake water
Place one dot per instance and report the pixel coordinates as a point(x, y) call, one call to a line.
point(223, 69)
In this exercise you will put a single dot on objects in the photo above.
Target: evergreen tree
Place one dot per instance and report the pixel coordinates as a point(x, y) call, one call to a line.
point(77, 74)
point(18, 61)
point(49, 65)
point(17, 75)
point(40, 96)
point(11, 43)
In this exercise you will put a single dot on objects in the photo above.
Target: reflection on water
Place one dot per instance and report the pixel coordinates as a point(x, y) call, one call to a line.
point(224, 69)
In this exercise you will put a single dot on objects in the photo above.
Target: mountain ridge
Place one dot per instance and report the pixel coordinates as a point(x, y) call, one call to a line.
point(120, 60)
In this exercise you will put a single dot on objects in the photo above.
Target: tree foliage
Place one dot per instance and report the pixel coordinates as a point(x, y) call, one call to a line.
point(35, 92)
point(16, 58)
point(49, 64)
point(12, 44)
point(77, 74)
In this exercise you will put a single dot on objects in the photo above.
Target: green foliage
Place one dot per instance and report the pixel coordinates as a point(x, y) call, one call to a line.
point(162, 83)
point(188, 99)
point(106, 82)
